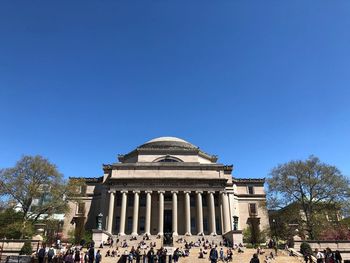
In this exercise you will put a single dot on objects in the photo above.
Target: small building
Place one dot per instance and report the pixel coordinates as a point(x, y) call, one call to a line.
point(168, 185)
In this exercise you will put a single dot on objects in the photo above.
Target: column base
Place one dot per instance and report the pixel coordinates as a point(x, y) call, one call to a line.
point(121, 234)
point(188, 234)
point(213, 234)
point(160, 234)
point(200, 234)
point(175, 234)
point(134, 234)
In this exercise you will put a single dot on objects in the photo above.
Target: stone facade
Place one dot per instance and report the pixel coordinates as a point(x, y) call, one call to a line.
point(169, 185)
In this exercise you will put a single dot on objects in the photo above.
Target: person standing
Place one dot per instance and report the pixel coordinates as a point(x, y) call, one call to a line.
point(255, 259)
point(41, 254)
point(50, 254)
point(319, 256)
point(337, 256)
point(91, 254)
point(213, 255)
point(98, 257)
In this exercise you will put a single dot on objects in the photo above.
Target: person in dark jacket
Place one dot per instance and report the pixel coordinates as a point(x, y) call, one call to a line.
point(213, 255)
point(255, 259)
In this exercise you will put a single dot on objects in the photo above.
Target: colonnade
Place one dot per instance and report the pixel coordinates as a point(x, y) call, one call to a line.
point(226, 223)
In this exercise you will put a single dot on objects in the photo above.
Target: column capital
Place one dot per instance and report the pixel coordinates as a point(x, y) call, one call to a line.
point(223, 192)
point(112, 191)
point(148, 191)
point(174, 192)
point(124, 191)
point(199, 192)
point(187, 192)
point(161, 192)
point(136, 191)
point(211, 192)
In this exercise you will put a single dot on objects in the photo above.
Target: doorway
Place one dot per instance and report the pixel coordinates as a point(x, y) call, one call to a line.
point(168, 221)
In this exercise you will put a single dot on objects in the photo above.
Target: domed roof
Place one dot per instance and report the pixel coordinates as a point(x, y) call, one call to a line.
point(166, 143)
point(167, 139)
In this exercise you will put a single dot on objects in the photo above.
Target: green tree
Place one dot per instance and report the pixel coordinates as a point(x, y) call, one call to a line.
point(26, 249)
point(312, 185)
point(36, 186)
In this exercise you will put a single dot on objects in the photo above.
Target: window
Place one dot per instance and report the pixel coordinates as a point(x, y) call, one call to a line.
point(83, 189)
point(205, 202)
point(193, 225)
point(216, 201)
point(117, 223)
point(252, 209)
point(167, 159)
point(205, 224)
point(142, 201)
point(129, 226)
point(130, 201)
point(118, 200)
point(192, 201)
point(218, 226)
point(142, 223)
point(250, 189)
point(81, 208)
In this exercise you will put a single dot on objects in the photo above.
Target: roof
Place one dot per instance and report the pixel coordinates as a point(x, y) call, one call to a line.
point(167, 145)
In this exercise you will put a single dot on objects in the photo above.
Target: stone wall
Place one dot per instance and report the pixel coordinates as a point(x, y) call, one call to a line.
point(13, 246)
point(341, 245)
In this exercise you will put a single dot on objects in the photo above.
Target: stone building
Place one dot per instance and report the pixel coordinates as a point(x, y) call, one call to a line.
point(168, 185)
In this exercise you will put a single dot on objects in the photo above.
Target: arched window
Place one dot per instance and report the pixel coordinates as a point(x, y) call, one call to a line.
point(167, 159)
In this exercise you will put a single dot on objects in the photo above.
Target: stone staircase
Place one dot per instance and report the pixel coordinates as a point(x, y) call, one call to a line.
point(245, 257)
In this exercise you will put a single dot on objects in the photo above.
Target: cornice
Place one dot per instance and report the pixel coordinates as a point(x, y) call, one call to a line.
point(246, 181)
point(168, 166)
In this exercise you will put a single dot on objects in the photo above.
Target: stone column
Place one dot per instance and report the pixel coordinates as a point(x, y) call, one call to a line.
point(161, 213)
point(226, 212)
point(175, 233)
point(123, 213)
point(212, 222)
point(188, 213)
point(135, 215)
point(199, 213)
point(148, 212)
point(111, 210)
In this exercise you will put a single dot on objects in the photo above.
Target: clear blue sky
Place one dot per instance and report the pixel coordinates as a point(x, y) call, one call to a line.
point(256, 82)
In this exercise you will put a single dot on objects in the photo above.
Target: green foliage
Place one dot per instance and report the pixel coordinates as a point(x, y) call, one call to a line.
point(11, 225)
point(26, 249)
point(254, 237)
point(87, 235)
point(34, 178)
point(305, 248)
point(312, 185)
point(247, 233)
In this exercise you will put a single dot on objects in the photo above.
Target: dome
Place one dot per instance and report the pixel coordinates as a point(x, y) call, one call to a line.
point(166, 143)
point(167, 139)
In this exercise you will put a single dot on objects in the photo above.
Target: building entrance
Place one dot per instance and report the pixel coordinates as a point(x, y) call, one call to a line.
point(168, 221)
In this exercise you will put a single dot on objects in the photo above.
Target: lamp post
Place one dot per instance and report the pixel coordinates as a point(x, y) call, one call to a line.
point(99, 221)
point(275, 234)
point(235, 223)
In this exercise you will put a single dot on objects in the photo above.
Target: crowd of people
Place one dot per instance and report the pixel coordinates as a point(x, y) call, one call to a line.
point(325, 256)
point(145, 251)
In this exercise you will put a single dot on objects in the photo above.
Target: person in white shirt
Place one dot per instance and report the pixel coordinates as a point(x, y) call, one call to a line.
point(319, 256)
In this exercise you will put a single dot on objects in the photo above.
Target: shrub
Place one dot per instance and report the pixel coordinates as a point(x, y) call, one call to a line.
point(305, 249)
point(27, 248)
